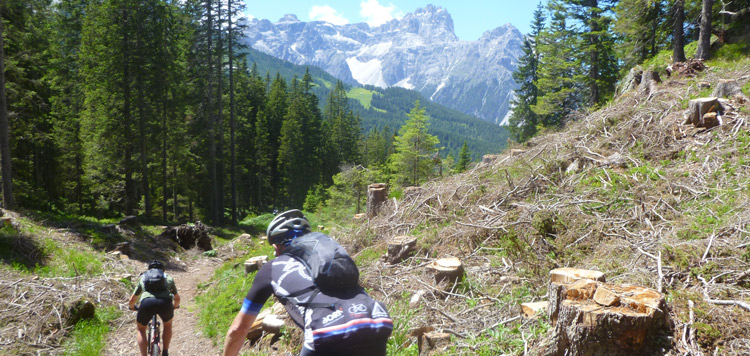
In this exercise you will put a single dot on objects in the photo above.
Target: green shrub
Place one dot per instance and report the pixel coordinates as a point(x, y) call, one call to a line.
point(88, 337)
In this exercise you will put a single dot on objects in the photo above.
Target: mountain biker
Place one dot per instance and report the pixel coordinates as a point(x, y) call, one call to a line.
point(158, 295)
point(357, 325)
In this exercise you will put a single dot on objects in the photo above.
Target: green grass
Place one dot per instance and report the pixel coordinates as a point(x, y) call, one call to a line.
point(221, 298)
point(362, 95)
point(88, 337)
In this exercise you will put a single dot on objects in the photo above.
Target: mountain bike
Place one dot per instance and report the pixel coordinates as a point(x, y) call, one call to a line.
point(153, 336)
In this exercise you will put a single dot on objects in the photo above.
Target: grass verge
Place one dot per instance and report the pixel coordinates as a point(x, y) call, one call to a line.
point(89, 336)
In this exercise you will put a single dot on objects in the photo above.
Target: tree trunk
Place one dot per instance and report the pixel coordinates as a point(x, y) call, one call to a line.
point(232, 123)
point(678, 36)
point(219, 119)
point(142, 140)
point(595, 45)
point(704, 39)
point(130, 192)
point(213, 211)
point(6, 172)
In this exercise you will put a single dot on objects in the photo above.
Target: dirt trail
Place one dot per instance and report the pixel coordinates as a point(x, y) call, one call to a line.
point(187, 339)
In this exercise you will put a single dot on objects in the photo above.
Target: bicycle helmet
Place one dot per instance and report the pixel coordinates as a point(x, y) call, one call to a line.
point(156, 264)
point(286, 226)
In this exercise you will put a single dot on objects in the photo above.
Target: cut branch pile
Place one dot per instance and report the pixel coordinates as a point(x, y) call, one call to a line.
point(628, 190)
point(36, 313)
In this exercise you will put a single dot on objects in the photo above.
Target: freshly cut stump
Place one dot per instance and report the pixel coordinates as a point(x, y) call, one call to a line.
point(377, 194)
point(532, 309)
point(596, 318)
point(253, 264)
point(447, 271)
point(400, 248)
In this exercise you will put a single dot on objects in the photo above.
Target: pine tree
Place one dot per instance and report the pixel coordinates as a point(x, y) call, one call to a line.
point(643, 29)
point(464, 158)
point(342, 128)
point(415, 147)
point(597, 46)
point(559, 70)
point(523, 120)
point(8, 202)
point(67, 99)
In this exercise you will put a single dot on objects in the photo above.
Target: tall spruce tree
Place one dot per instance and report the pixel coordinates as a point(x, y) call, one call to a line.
point(523, 120)
point(560, 72)
point(597, 46)
point(643, 28)
point(8, 202)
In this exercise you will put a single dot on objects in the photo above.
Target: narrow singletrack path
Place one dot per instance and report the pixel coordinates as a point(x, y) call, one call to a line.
point(187, 339)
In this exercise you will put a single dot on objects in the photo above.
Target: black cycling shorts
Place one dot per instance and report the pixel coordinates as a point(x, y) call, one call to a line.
point(152, 306)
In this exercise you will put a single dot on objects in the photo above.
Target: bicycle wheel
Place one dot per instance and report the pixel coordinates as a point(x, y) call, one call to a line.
point(155, 350)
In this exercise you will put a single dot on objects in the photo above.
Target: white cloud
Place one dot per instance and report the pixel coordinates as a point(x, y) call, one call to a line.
point(376, 14)
point(327, 14)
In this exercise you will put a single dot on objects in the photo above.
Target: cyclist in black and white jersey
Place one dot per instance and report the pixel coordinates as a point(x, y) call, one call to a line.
point(288, 279)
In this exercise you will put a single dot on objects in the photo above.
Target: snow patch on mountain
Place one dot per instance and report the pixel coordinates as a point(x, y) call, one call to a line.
point(370, 72)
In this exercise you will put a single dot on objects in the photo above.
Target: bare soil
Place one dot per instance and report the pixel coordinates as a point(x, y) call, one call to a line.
point(187, 339)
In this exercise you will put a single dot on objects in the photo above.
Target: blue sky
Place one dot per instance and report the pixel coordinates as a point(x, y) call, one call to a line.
point(470, 17)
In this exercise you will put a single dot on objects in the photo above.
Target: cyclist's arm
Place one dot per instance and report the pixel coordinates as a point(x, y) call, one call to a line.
point(134, 297)
point(133, 300)
point(176, 301)
point(259, 292)
point(237, 333)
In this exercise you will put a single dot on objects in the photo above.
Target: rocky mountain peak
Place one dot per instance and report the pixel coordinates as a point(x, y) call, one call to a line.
point(289, 18)
point(419, 52)
point(428, 22)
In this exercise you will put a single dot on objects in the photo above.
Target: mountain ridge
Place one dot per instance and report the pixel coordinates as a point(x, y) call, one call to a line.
point(419, 51)
point(388, 107)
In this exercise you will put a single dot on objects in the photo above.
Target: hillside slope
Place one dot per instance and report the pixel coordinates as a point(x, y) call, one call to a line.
point(379, 108)
point(566, 199)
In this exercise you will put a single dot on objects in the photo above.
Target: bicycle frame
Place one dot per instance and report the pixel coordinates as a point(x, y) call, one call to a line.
point(154, 337)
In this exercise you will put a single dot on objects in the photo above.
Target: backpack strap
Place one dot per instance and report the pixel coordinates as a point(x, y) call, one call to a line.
point(308, 304)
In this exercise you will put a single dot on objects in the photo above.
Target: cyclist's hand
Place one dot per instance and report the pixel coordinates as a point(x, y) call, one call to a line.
point(176, 307)
point(133, 308)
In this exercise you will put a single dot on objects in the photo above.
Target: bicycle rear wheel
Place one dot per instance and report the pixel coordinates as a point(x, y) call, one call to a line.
point(155, 350)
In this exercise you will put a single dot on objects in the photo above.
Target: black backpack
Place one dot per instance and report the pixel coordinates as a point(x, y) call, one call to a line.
point(328, 263)
point(343, 314)
point(154, 281)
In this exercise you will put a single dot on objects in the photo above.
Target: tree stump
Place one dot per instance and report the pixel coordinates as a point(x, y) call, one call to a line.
point(727, 89)
point(446, 271)
point(255, 263)
point(435, 343)
point(699, 107)
point(269, 321)
point(81, 309)
point(400, 248)
point(377, 194)
point(531, 310)
point(648, 82)
point(488, 159)
point(596, 318)
point(631, 81)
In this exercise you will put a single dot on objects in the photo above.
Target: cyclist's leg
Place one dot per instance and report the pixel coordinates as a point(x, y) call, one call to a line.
point(141, 338)
point(167, 336)
point(145, 312)
point(166, 312)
